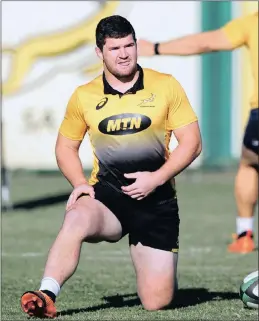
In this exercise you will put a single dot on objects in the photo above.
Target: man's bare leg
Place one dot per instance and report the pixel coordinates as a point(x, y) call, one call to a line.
point(87, 220)
point(156, 275)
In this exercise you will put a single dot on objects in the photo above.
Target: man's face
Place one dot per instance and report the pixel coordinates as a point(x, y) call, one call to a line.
point(119, 56)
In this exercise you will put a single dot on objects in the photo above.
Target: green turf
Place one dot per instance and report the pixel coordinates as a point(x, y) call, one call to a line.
point(103, 288)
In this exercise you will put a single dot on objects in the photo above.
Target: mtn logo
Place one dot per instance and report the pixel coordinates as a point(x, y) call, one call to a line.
point(124, 124)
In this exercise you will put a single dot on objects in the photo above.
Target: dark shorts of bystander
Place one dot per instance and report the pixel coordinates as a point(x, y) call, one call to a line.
point(251, 136)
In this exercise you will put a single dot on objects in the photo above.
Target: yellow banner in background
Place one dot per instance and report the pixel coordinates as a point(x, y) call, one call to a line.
point(247, 79)
point(51, 45)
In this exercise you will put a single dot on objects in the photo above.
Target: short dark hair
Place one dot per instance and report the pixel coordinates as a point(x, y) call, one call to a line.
point(113, 27)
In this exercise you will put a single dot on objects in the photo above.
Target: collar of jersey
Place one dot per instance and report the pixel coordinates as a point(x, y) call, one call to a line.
point(139, 85)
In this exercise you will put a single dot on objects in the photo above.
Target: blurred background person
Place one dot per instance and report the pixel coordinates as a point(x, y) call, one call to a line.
point(238, 32)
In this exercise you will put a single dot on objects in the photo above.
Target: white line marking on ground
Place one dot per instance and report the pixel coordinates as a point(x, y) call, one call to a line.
point(113, 253)
point(119, 256)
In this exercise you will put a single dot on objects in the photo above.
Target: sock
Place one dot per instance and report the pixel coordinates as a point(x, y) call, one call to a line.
point(245, 234)
point(51, 287)
point(244, 224)
point(50, 294)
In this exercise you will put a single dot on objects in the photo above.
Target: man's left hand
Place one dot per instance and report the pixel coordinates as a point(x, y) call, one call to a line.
point(146, 183)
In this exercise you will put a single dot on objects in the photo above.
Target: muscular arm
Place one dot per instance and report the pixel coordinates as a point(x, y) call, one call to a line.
point(230, 36)
point(215, 40)
point(195, 44)
point(67, 155)
point(188, 149)
point(182, 121)
point(71, 134)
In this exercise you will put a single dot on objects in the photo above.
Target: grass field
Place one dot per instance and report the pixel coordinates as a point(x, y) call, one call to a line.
point(103, 288)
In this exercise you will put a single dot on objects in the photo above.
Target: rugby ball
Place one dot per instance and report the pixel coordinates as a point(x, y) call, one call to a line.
point(249, 290)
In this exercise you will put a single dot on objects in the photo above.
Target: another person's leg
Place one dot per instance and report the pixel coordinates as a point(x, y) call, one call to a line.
point(87, 220)
point(246, 195)
point(246, 188)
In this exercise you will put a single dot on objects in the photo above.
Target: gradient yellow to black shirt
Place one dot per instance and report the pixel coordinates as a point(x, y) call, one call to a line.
point(128, 132)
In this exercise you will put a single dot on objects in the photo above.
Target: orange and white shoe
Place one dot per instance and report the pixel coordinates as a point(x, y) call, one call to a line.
point(38, 304)
point(242, 243)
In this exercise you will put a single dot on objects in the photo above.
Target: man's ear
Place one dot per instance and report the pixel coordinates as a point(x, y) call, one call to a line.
point(99, 53)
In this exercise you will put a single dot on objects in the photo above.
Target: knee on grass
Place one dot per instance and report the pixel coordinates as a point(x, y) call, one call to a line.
point(154, 303)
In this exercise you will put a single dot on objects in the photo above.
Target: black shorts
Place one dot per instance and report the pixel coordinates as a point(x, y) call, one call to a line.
point(251, 137)
point(153, 221)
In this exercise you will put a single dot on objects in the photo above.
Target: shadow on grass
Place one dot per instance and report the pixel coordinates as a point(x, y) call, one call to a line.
point(38, 202)
point(184, 298)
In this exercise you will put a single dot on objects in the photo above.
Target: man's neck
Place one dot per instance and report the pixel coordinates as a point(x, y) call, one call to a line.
point(121, 84)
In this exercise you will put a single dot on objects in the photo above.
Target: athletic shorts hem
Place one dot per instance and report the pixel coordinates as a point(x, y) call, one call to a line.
point(156, 246)
point(153, 223)
point(251, 135)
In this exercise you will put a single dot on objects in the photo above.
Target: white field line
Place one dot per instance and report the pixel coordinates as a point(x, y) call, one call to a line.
point(119, 256)
point(111, 253)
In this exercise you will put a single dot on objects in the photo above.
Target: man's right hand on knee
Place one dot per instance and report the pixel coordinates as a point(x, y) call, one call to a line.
point(78, 191)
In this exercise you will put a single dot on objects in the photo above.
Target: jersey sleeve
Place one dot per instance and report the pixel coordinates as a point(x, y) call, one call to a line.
point(237, 31)
point(180, 112)
point(73, 125)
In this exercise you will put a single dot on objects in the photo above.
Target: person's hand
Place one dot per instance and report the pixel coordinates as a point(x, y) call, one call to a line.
point(79, 190)
point(145, 48)
point(146, 183)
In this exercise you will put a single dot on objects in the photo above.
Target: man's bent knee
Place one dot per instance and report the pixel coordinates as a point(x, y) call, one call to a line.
point(93, 221)
point(82, 220)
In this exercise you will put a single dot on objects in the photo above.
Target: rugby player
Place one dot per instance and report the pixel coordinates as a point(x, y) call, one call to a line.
point(129, 114)
point(236, 33)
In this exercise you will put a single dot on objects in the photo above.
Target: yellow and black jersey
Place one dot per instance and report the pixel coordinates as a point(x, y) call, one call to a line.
point(244, 32)
point(129, 132)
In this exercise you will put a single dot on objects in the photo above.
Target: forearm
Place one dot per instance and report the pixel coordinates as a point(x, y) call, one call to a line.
point(179, 159)
point(188, 45)
point(70, 165)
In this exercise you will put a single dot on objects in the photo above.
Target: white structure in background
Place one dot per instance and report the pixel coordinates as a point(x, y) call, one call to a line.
point(48, 50)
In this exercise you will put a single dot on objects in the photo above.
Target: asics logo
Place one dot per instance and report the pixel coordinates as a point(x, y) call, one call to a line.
point(102, 103)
